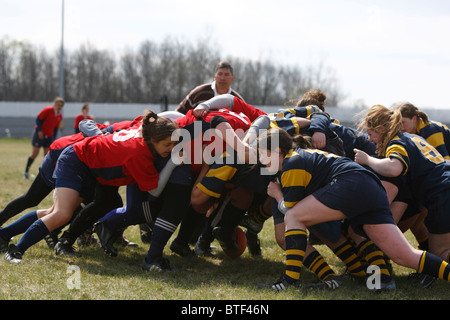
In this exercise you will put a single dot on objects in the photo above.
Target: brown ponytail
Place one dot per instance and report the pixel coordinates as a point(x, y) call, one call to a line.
point(155, 129)
point(313, 97)
point(408, 110)
point(303, 142)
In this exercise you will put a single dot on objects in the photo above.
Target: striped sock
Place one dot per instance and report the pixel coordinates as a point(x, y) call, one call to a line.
point(434, 266)
point(295, 240)
point(374, 256)
point(259, 215)
point(347, 253)
point(162, 231)
point(317, 264)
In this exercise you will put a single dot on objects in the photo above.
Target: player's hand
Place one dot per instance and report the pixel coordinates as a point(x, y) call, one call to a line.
point(360, 156)
point(40, 135)
point(274, 190)
point(319, 140)
point(200, 111)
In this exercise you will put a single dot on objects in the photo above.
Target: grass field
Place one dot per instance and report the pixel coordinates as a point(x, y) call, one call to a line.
point(45, 276)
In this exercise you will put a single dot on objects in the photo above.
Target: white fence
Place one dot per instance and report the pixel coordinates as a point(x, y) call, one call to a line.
point(17, 118)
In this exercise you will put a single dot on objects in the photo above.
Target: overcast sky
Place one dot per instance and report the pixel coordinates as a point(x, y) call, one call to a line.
point(382, 51)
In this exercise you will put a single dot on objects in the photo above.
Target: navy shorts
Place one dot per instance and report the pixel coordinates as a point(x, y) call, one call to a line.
point(38, 143)
point(46, 170)
point(360, 197)
point(438, 218)
point(71, 173)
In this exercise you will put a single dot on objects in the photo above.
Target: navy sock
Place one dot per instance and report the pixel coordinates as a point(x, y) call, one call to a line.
point(162, 231)
point(19, 226)
point(122, 217)
point(35, 233)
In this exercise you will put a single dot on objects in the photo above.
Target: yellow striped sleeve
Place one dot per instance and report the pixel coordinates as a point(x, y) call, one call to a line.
point(295, 123)
point(207, 191)
point(436, 139)
point(273, 124)
point(295, 178)
point(399, 152)
point(223, 173)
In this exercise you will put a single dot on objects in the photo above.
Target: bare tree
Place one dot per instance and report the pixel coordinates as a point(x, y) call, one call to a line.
point(173, 67)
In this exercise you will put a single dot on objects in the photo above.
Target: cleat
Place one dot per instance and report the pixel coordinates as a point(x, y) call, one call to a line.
point(182, 250)
point(280, 285)
point(423, 280)
point(26, 175)
point(253, 243)
point(384, 286)
point(13, 255)
point(64, 248)
point(125, 242)
point(87, 239)
point(203, 248)
point(249, 223)
point(107, 238)
point(51, 240)
point(331, 283)
point(159, 265)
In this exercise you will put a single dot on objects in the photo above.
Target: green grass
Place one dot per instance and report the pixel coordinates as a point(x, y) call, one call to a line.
point(45, 276)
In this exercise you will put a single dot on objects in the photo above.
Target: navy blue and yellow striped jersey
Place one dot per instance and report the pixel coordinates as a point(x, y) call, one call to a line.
point(352, 138)
point(286, 119)
point(426, 169)
point(302, 112)
point(228, 172)
point(306, 170)
point(319, 119)
point(437, 134)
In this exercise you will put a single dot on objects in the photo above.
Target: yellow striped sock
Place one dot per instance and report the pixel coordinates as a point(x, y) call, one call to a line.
point(434, 266)
point(347, 253)
point(295, 251)
point(317, 264)
point(259, 215)
point(374, 256)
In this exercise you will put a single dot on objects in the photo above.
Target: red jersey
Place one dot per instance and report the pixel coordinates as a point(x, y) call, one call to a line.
point(119, 159)
point(60, 144)
point(237, 120)
point(50, 120)
point(247, 109)
point(126, 124)
point(80, 117)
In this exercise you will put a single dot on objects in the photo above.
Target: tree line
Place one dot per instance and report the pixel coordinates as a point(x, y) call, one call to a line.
point(173, 67)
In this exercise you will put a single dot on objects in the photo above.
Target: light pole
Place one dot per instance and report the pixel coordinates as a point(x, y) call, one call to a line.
point(61, 69)
point(61, 58)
